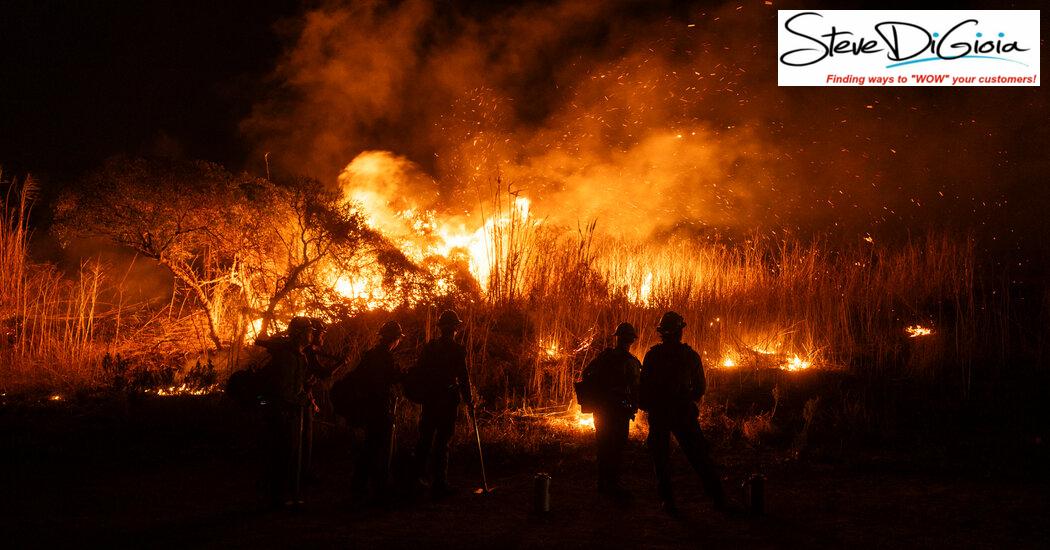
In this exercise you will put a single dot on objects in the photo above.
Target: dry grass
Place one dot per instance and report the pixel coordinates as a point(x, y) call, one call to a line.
point(766, 303)
point(555, 294)
point(50, 322)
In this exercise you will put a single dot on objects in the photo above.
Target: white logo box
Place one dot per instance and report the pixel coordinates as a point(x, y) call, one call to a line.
point(908, 48)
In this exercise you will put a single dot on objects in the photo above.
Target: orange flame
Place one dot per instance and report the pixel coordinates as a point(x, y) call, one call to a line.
point(377, 182)
point(585, 421)
point(915, 331)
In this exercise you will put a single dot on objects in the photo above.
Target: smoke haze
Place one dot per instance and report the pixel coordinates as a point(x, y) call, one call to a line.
point(646, 116)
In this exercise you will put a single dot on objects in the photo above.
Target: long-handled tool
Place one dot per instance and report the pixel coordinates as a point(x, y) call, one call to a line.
point(484, 489)
point(297, 482)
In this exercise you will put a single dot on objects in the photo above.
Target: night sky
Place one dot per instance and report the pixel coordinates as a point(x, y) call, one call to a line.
point(86, 80)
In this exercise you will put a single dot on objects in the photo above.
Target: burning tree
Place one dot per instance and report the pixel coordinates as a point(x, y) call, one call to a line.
point(265, 250)
point(306, 238)
point(184, 215)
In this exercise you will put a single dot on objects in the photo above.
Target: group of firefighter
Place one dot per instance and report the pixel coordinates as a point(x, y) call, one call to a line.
point(666, 384)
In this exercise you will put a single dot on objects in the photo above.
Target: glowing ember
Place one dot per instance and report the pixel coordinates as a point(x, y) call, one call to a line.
point(570, 418)
point(365, 290)
point(916, 331)
point(344, 287)
point(55, 397)
point(646, 289)
point(251, 332)
point(522, 205)
point(790, 362)
point(585, 421)
point(184, 389)
point(550, 348)
point(796, 364)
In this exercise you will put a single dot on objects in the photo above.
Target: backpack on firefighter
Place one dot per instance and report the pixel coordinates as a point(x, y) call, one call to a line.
point(421, 385)
point(347, 397)
point(253, 385)
point(245, 387)
point(588, 393)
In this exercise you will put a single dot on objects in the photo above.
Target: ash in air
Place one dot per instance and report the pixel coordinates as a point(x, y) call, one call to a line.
point(648, 119)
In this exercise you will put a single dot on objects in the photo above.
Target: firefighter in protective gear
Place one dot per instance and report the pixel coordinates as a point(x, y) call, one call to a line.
point(320, 366)
point(374, 378)
point(443, 368)
point(672, 382)
point(286, 410)
point(613, 380)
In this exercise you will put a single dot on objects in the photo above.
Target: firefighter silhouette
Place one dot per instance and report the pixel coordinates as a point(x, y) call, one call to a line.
point(611, 380)
point(672, 383)
point(373, 405)
point(440, 382)
point(285, 409)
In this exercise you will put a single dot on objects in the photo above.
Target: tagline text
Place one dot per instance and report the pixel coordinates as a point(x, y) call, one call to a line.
point(928, 79)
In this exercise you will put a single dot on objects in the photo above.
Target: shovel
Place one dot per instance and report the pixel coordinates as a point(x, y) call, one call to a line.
point(484, 489)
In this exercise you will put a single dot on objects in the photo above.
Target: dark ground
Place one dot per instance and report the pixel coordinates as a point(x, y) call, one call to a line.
point(164, 472)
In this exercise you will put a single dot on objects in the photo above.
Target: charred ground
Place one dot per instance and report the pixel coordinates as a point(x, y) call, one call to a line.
point(134, 470)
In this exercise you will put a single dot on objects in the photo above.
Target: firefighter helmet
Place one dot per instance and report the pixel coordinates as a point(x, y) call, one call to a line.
point(625, 329)
point(318, 325)
point(299, 325)
point(670, 321)
point(391, 329)
point(449, 318)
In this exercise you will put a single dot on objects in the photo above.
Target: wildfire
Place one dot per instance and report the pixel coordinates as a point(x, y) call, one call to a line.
point(184, 389)
point(387, 188)
point(764, 357)
point(568, 418)
point(916, 331)
point(522, 205)
point(550, 349)
point(585, 421)
point(376, 182)
point(796, 364)
point(644, 292)
point(253, 329)
point(366, 289)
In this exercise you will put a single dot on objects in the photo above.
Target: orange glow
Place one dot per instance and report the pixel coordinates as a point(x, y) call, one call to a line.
point(796, 364)
point(766, 359)
point(366, 289)
point(571, 419)
point(378, 182)
point(915, 331)
point(184, 389)
point(251, 332)
point(585, 421)
point(499, 236)
point(644, 291)
point(550, 349)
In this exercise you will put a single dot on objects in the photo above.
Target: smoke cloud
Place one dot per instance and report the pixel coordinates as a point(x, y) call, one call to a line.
point(647, 116)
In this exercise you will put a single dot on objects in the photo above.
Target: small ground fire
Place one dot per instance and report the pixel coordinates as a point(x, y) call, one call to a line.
point(916, 331)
